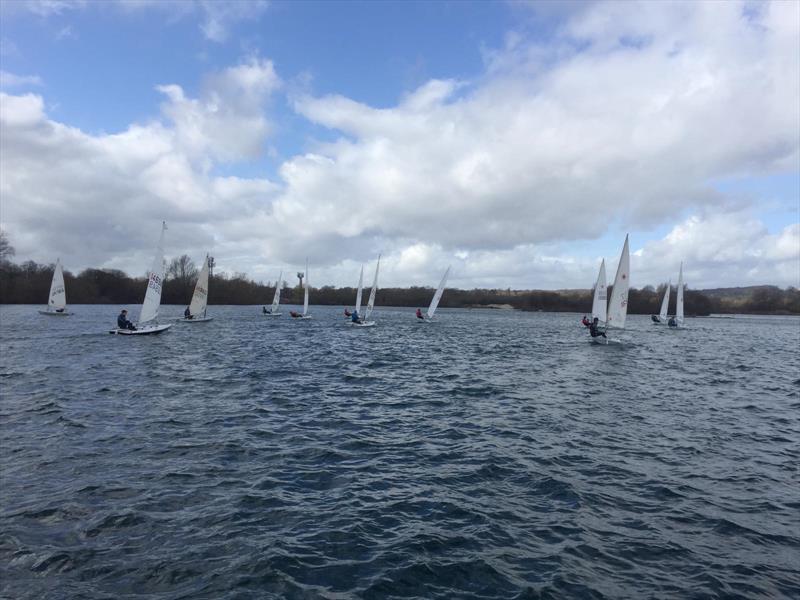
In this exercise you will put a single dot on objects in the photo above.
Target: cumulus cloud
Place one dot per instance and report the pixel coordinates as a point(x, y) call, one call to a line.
point(10, 80)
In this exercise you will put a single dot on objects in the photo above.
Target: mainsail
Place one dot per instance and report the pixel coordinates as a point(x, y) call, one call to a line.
point(305, 294)
point(360, 289)
point(152, 299)
point(276, 299)
point(600, 301)
point(200, 297)
point(438, 295)
point(373, 291)
point(679, 303)
point(662, 315)
point(618, 305)
point(58, 296)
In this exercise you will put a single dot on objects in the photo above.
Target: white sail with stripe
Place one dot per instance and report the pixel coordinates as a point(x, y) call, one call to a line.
point(618, 305)
point(152, 298)
point(438, 295)
point(199, 302)
point(58, 294)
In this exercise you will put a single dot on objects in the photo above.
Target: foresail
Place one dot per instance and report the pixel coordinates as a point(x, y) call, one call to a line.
point(152, 298)
point(58, 296)
point(665, 304)
point(438, 295)
point(276, 299)
point(618, 305)
point(679, 303)
point(360, 290)
point(600, 300)
point(200, 297)
point(373, 291)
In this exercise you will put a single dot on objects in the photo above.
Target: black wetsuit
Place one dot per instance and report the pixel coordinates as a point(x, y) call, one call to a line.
point(123, 323)
point(655, 319)
point(594, 330)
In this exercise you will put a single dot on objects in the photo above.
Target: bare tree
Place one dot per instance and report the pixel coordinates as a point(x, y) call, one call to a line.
point(182, 269)
point(6, 249)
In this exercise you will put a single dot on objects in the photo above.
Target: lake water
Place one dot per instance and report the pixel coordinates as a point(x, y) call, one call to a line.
point(492, 454)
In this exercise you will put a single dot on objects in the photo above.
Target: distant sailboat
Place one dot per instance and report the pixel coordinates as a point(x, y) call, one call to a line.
point(199, 303)
point(618, 304)
point(152, 298)
point(57, 304)
point(364, 321)
point(274, 309)
point(661, 318)
point(677, 321)
point(357, 307)
point(600, 299)
point(436, 298)
point(304, 316)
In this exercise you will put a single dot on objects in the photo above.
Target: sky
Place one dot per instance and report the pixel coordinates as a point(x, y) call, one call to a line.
point(518, 142)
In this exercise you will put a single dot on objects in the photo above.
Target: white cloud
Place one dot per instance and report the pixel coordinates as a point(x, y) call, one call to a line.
point(9, 80)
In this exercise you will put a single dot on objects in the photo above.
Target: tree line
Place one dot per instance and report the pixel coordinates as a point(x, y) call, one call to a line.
point(29, 283)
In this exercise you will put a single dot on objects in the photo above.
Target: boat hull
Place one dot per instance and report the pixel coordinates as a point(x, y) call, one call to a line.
point(52, 313)
point(151, 330)
point(272, 314)
point(197, 320)
point(364, 324)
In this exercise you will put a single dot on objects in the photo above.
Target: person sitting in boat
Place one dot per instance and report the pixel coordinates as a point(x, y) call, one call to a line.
point(655, 318)
point(347, 313)
point(294, 314)
point(419, 314)
point(264, 308)
point(355, 318)
point(59, 310)
point(586, 322)
point(187, 314)
point(672, 322)
point(123, 323)
point(594, 328)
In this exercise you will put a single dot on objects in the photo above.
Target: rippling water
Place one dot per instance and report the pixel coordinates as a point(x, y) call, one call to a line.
point(492, 454)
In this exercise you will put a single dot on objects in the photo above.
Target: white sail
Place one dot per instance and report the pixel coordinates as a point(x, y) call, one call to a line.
point(276, 299)
point(305, 294)
point(200, 297)
point(600, 301)
point(152, 299)
point(58, 296)
point(438, 295)
point(679, 302)
point(360, 290)
point(662, 315)
point(373, 291)
point(618, 305)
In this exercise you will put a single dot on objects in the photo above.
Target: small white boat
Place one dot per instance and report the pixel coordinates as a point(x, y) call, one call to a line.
point(677, 321)
point(661, 318)
point(357, 307)
point(618, 304)
point(199, 304)
point(305, 316)
point(57, 304)
point(365, 322)
point(152, 298)
point(435, 300)
point(274, 309)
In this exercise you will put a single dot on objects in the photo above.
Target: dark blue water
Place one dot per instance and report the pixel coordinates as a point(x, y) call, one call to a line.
point(492, 454)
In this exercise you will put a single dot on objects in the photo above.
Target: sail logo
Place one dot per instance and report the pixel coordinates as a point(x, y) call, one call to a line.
point(58, 290)
point(155, 282)
point(202, 291)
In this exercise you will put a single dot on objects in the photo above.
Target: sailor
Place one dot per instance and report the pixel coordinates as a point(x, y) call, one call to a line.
point(672, 322)
point(594, 328)
point(419, 314)
point(294, 313)
point(187, 314)
point(586, 322)
point(355, 318)
point(264, 308)
point(655, 319)
point(347, 313)
point(123, 323)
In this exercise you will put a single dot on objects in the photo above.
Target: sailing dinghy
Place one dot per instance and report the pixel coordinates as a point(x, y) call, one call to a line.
point(304, 316)
point(661, 317)
point(152, 298)
point(365, 322)
point(199, 303)
point(600, 298)
point(357, 307)
point(57, 305)
point(677, 321)
point(274, 309)
point(435, 300)
point(618, 304)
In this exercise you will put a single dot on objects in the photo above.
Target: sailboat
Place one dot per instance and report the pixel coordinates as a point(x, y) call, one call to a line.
point(661, 317)
point(435, 300)
point(677, 321)
point(274, 310)
point(152, 298)
point(364, 321)
point(199, 303)
point(357, 307)
point(304, 316)
point(57, 305)
point(618, 304)
point(600, 299)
